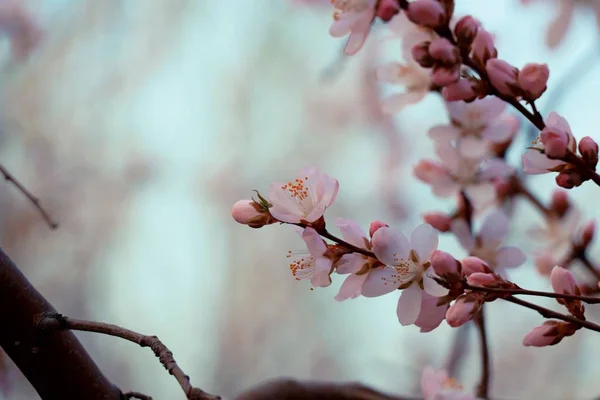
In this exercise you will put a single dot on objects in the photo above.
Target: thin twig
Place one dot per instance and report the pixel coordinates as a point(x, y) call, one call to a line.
point(458, 350)
point(484, 382)
point(34, 200)
point(547, 313)
point(585, 299)
point(57, 322)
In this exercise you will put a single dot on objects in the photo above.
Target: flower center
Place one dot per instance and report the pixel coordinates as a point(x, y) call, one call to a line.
point(301, 266)
point(299, 191)
point(451, 383)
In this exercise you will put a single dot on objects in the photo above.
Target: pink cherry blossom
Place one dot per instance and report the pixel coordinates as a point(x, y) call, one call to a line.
point(503, 76)
point(456, 173)
point(315, 266)
point(437, 385)
point(354, 18)
point(415, 79)
point(486, 245)
point(476, 126)
point(19, 24)
point(305, 198)
point(533, 79)
point(535, 161)
point(406, 264)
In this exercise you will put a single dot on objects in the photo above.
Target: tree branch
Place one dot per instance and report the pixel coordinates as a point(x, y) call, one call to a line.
point(57, 322)
point(289, 389)
point(484, 382)
point(585, 299)
point(56, 365)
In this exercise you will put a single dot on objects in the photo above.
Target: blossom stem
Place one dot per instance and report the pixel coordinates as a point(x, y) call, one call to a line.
point(484, 383)
point(323, 232)
point(547, 313)
point(585, 299)
point(57, 322)
point(587, 171)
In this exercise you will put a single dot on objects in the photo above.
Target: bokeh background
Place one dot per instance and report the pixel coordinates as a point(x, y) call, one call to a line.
point(139, 123)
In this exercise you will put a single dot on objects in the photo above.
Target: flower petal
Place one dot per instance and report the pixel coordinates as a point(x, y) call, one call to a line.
point(396, 102)
point(352, 287)
point(461, 230)
point(509, 257)
point(379, 281)
point(352, 232)
point(431, 315)
point(389, 246)
point(409, 305)
point(424, 240)
point(433, 288)
point(494, 229)
point(350, 263)
point(316, 246)
point(472, 147)
point(535, 162)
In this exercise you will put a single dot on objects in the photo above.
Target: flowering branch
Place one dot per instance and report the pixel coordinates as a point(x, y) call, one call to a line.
point(585, 299)
point(34, 200)
point(547, 313)
point(53, 322)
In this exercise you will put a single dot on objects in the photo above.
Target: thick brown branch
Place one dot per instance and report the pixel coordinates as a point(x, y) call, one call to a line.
point(56, 365)
point(585, 299)
point(56, 322)
point(288, 389)
point(34, 200)
point(484, 381)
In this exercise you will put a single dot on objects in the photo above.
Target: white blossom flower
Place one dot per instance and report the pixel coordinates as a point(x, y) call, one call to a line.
point(354, 18)
point(315, 266)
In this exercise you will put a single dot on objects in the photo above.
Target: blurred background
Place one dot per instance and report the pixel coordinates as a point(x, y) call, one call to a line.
point(139, 123)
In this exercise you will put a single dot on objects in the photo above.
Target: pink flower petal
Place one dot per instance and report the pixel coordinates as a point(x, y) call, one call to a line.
point(444, 132)
point(350, 263)
point(315, 244)
point(431, 315)
point(379, 282)
point(352, 232)
point(535, 162)
point(509, 257)
point(389, 245)
point(409, 305)
point(351, 288)
point(432, 381)
point(433, 288)
point(494, 229)
point(320, 279)
point(424, 240)
point(559, 26)
point(398, 101)
point(472, 148)
point(462, 232)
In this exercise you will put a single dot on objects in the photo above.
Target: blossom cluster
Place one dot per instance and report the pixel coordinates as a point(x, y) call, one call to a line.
point(455, 58)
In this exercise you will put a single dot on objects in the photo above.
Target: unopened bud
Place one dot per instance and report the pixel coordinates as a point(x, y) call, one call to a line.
point(472, 265)
point(548, 334)
point(248, 212)
point(483, 47)
point(560, 202)
point(533, 79)
point(555, 142)
point(463, 309)
point(484, 280)
point(420, 53)
point(375, 225)
point(588, 149)
point(503, 77)
point(439, 221)
point(444, 264)
point(428, 13)
point(569, 179)
point(466, 30)
point(464, 89)
point(387, 9)
point(444, 52)
point(443, 76)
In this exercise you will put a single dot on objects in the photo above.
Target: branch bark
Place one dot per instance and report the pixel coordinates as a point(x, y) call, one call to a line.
point(56, 365)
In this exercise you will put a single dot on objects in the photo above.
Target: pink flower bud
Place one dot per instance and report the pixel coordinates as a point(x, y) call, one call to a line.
point(444, 264)
point(420, 53)
point(443, 51)
point(563, 281)
point(466, 30)
point(444, 76)
point(587, 234)
point(588, 149)
point(430, 172)
point(504, 187)
point(483, 279)
point(463, 309)
point(569, 179)
point(560, 202)
point(555, 142)
point(387, 9)
point(472, 265)
point(483, 47)
point(503, 76)
point(544, 263)
point(533, 79)
point(428, 13)
point(462, 90)
point(248, 212)
point(439, 221)
point(546, 334)
point(375, 225)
